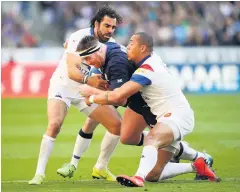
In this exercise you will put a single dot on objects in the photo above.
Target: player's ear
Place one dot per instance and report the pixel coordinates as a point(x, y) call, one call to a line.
point(96, 24)
point(143, 48)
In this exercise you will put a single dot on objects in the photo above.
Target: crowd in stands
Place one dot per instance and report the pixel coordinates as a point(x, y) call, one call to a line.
point(170, 23)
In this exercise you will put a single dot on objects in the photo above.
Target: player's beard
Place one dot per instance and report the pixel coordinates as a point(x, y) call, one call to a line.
point(101, 37)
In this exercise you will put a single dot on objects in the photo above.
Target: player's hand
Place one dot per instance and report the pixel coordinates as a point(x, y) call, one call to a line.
point(97, 82)
point(87, 101)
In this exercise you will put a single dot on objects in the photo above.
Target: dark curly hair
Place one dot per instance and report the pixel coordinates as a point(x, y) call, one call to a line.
point(106, 10)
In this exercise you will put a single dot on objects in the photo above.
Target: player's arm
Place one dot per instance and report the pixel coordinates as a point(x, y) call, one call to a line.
point(73, 66)
point(74, 72)
point(140, 78)
point(74, 61)
point(87, 90)
point(117, 96)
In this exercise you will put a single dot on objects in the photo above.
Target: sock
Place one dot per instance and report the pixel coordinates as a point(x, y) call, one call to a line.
point(108, 145)
point(45, 151)
point(144, 134)
point(186, 152)
point(174, 169)
point(81, 145)
point(148, 161)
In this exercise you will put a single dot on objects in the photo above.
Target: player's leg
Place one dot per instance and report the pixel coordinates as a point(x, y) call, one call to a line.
point(169, 128)
point(83, 140)
point(56, 110)
point(82, 143)
point(109, 118)
point(186, 152)
point(132, 128)
point(135, 120)
point(163, 134)
point(164, 169)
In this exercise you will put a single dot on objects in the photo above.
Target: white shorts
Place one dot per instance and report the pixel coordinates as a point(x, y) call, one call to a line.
point(70, 95)
point(181, 121)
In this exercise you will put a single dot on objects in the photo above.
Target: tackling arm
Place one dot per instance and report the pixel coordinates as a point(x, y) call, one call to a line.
point(118, 96)
point(73, 66)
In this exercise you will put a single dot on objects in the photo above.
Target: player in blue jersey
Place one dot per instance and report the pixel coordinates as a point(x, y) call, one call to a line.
point(164, 98)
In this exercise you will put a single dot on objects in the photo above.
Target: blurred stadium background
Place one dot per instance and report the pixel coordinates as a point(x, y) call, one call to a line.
point(198, 40)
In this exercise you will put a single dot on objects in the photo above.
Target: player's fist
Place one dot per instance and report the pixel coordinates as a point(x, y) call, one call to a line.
point(97, 82)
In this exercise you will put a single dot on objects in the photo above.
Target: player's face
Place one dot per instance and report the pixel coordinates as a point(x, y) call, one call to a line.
point(94, 60)
point(134, 48)
point(106, 28)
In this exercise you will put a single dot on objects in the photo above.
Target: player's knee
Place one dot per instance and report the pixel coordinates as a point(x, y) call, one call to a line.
point(128, 140)
point(54, 127)
point(115, 127)
point(153, 176)
point(158, 138)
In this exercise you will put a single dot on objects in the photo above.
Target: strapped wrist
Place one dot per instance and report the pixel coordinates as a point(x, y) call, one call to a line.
point(85, 79)
point(91, 99)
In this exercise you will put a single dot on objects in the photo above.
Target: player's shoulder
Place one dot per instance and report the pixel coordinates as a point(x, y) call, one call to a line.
point(77, 35)
point(154, 61)
point(113, 47)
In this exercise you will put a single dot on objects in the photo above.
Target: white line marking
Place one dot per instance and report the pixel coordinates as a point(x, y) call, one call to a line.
point(87, 180)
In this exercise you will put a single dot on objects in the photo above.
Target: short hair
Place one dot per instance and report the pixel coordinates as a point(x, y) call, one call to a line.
point(86, 43)
point(146, 39)
point(106, 10)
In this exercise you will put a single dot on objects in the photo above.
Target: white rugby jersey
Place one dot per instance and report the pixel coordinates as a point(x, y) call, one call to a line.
point(160, 90)
point(60, 75)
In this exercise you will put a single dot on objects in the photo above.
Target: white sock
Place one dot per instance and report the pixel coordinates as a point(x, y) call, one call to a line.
point(188, 153)
point(174, 169)
point(81, 145)
point(142, 139)
point(148, 161)
point(145, 133)
point(45, 151)
point(109, 143)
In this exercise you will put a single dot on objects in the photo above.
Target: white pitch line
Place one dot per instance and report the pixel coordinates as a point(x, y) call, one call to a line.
point(86, 180)
point(49, 181)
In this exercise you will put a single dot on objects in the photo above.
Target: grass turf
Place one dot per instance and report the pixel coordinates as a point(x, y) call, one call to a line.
point(24, 122)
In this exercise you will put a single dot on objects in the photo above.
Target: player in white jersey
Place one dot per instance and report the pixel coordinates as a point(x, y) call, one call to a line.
point(64, 92)
point(175, 118)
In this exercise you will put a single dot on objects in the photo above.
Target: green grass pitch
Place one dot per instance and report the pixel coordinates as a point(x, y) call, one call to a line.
point(24, 121)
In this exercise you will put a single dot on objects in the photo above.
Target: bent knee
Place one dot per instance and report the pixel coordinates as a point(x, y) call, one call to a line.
point(115, 126)
point(54, 128)
point(129, 140)
point(153, 176)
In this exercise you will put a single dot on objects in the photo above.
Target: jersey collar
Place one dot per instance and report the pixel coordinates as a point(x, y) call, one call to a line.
point(142, 61)
point(92, 31)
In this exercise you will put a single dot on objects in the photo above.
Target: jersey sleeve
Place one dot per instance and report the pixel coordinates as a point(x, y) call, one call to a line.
point(118, 72)
point(143, 75)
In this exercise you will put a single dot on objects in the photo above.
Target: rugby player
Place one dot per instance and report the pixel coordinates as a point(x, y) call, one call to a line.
point(63, 91)
point(175, 118)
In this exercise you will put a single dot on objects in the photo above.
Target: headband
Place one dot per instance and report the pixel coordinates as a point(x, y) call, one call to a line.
point(90, 50)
